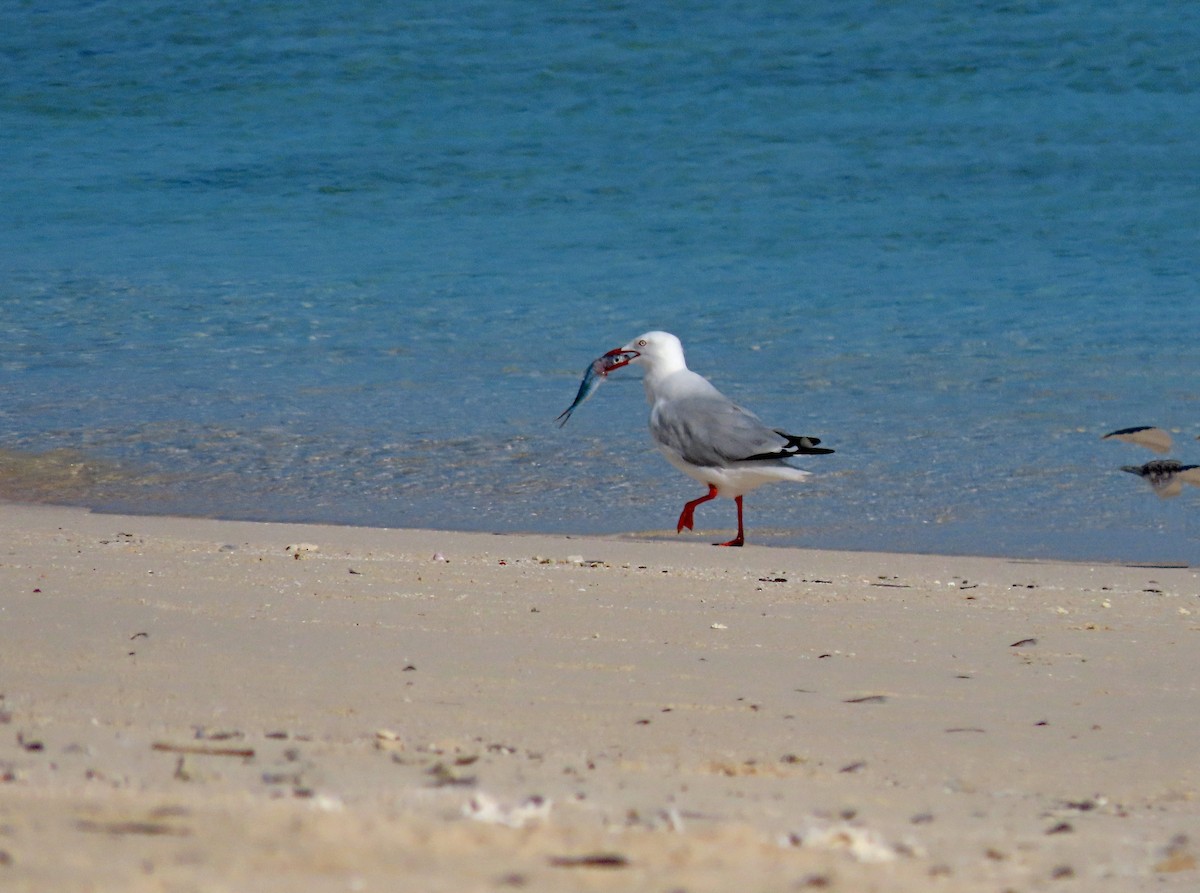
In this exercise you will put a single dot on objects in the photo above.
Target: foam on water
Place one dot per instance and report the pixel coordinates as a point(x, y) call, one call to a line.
point(274, 264)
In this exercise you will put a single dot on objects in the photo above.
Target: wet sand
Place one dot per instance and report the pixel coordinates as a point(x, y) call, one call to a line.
point(206, 705)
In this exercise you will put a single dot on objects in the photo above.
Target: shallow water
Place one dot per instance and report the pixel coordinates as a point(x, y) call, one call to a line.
point(271, 264)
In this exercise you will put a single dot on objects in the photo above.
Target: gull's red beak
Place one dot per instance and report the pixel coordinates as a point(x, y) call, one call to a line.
point(617, 358)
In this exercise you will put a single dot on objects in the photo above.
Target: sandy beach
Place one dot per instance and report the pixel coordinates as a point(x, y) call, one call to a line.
point(207, 705)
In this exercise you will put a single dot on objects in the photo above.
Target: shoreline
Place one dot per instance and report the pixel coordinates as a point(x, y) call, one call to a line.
point(664, 536)
point(228, 703)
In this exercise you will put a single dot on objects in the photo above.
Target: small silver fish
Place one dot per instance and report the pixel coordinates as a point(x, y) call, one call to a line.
point(594, 376)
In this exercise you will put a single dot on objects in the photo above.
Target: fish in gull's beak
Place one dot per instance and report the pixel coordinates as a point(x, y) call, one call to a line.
point(595, 373)
point(616, 358)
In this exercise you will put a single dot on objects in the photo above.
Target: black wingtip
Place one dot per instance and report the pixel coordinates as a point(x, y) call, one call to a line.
point(1133, 430)
point(803, 445)
point(797, 445)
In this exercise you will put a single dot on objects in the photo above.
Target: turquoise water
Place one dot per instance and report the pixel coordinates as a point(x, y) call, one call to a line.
point(272, 261)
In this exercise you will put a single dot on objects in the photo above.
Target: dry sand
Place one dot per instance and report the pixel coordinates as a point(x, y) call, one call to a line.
point(190, 705)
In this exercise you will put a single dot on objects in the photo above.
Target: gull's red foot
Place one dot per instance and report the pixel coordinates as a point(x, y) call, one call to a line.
point(687, 516)
point(740, 539)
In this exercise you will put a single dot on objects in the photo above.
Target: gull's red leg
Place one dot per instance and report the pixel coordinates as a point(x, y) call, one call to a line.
point(740, 539)
point(685, 517)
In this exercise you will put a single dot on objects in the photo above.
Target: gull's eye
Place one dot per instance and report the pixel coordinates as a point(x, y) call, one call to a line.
point(642, 343)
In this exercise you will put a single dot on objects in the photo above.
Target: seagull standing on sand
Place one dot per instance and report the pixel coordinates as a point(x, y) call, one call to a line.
point(705, 434)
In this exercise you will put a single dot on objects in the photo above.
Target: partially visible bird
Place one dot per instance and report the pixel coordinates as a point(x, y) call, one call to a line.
point(1166, 476)
point(1148, 436)
point(705, 434)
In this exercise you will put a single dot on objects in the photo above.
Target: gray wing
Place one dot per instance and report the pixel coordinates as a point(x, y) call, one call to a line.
point(712, 431)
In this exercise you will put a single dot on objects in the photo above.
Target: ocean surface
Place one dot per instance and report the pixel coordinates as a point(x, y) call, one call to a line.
point(286, 261)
